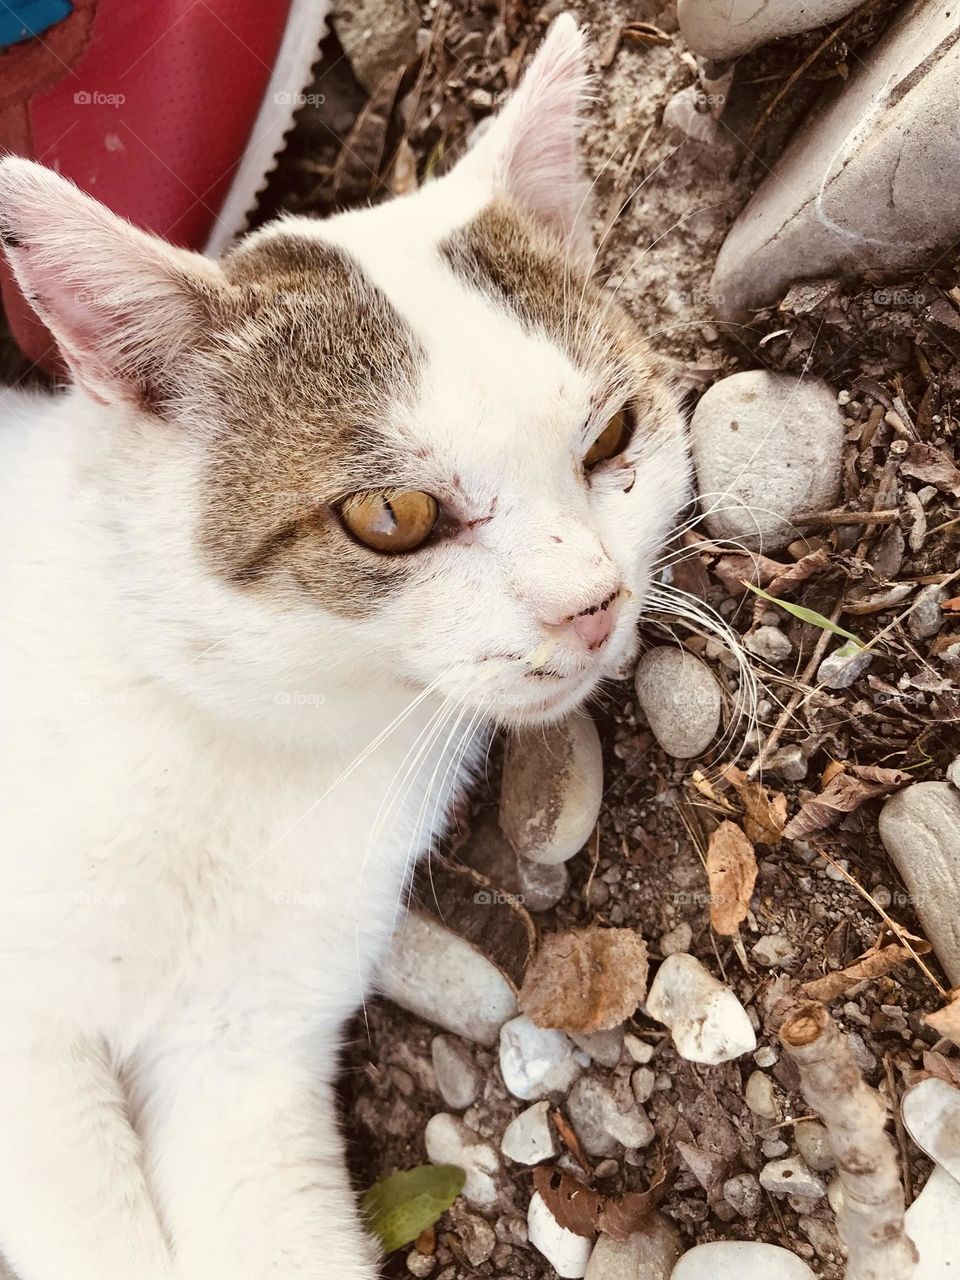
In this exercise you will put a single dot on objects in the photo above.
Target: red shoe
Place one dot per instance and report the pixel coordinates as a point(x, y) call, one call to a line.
point(170, 112)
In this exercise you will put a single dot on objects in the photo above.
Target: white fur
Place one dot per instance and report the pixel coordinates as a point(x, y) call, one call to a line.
point(212, 806)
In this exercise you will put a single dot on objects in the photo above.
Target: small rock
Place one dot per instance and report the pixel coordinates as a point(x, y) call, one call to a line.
point(434, 973)
point(743, 1193)
point(650, 1254)
point(791, 1177)
point(457, 1078)
point(449, 1141)
point(761, 1096)
point(722, 31)
point(813, 1143)
point(920, 829)
point(932, 1224)
point(677, 939)
point(789, 762)
point(552, 784)
point(953, 772)
point(535, 1061)
point(770, 644)
point(766, 1056)
point(841, 668)
point(643, 1082)
point(931, 1113)
point(602, 1123)
point(378, 36)
point(567, 1253)
point(529, 1137)
point(707, 1021)
point(420, 1264)
point(605, 1047)
point(477, 1238)
point(740, 1260)
point(681, 700)
point(766, 448)
point(772, 950)
point(638, 1049)
point(773, 1148)
point(926, 618)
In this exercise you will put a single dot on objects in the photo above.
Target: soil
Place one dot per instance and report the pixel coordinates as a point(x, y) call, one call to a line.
point(662, 206)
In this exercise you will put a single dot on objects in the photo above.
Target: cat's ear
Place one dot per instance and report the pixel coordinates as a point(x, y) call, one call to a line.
point(121, 304)
point(529, 150)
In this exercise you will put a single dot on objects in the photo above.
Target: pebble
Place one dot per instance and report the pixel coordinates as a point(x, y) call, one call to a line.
point(743, 1193)
point(604, 1124)
point(789, 762)
point(421, 1264)
point(566, 1252)
point(377, 36)
point(725, 30)
point(766, 1056)
point(741, 1260)
point(680, 698)
point(552, 785)
point(638, 1049)
point(477, 1238)
point(650, 1254)
point(772, 950)
point(536, 1061)
point(813, 1143)
point(926, 617)
point(435, 974)
point(529, 1137)
point(457, 1078)
point(933, 1224)
point(643, 1082)
point(761, 1096)
point(605, 1047)
point(770, 644)
point(449, 1141)
point(920, 829)
point(791, 1177)
point(766, 448)
point(953, 772)
point(931, 1113)
point(774, 1148)
point(845, 665)
point(676, 939)
point(707, 1021)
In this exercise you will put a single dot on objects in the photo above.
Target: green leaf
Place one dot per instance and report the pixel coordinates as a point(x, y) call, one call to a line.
point(805, 615)
point(398, 1208)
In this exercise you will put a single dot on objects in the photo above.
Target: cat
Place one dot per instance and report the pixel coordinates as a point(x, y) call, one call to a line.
point(308, 522)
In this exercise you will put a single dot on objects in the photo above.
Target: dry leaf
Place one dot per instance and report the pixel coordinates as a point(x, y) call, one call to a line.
point(932, 466)
point(732, 570)
point(946, 1021)
point(844, 793)
point(791, 575)
point(586, 1212)
point(568, 1137)
point(585, 980)
point(764, 816)
point(706, 788)
point(832, 768)
point(732, 872)
point(940, 1066)
point(874, 964)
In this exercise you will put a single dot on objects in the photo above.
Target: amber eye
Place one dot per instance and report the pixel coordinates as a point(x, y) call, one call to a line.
point(611, 440)
point(398, 520)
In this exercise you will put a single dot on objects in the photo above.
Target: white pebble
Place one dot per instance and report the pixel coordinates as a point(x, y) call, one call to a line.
point(741, 1260)
point(449, 1141)
point(566, 1252)
point(707, 1021)
point(536, 1061)
point(529, 1137)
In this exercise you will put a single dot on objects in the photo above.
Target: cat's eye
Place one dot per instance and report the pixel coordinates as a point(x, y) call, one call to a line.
point(392, 521)
point(611, 440)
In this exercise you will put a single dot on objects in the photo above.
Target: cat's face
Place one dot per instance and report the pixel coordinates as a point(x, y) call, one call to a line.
point(412, 443)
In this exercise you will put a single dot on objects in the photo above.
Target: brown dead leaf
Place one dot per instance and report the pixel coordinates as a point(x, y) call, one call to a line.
point(585, 1212)
point(940, 1066)
point(791, 575)
point(568, 1136)
point(735, 569)
point(831, 769)
point(844, 793)
point(732, 873)
point(585, 980)
point(874, 964)
point(946, 1021)
point(764, 815)
point(932, 466)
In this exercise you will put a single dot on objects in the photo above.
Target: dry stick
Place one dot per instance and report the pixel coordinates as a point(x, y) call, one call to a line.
point(870, 1216)
point(836, 518)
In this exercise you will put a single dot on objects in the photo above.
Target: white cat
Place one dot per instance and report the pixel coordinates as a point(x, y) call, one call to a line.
point(309, 519)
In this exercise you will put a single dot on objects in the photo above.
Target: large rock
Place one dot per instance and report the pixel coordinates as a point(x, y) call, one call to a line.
point(741, 1260)
point(726, 28)
point(931, 1113)
point(680, 698)
point(920, 829)
point(863, 185)
point(767, 447)
point(378, 36)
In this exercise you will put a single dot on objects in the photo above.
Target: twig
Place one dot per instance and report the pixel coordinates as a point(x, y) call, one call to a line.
point(870, 1216)
point(899, 1128)
point(835, 518)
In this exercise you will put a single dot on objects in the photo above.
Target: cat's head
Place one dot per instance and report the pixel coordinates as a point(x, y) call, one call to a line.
point(411, 444)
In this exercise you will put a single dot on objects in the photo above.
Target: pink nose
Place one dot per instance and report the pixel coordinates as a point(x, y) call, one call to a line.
point(593, 625)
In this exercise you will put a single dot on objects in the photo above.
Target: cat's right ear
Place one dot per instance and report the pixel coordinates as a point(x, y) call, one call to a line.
point(122, 304)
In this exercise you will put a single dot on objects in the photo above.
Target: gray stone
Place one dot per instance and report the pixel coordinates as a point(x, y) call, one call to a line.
point(862, 184)
point(643, 1081)
point(551, 790)
point(926, 617)
point(953, 772)
point(931, 1113)
point(920, 829)
point(536, 1061)
point(721, 29)
point(602, 1123)
point(813, 1142)
point(605, 1047)
point(761, 1096)
point(766, 448)
point(639, 1050)
point(789, 762)
point(680, 698)
point(844, 666)
point(743, 1193)
point(529, 1137)
point(771, 950)
point(933, 1224)
point(741, 1260)
point(791, 1177)
point(677, 939)
point(769, 643)
point(457, 1077)
point(449, 1141)
point(477, 1238)
point(378, 36)
point(707, 1021)
point(650, 1254)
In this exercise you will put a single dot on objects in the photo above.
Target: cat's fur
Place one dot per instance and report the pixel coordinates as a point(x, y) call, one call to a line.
point(228, 729)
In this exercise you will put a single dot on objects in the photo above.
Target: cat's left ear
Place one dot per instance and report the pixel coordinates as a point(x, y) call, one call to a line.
point(529, 151)
point(123, 305)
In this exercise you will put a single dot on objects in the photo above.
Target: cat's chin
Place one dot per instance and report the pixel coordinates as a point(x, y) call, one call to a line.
point(546, 704)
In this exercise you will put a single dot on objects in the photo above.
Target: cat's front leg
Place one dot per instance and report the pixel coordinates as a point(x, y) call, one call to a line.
point(247, 1164)
point(74, 1203)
